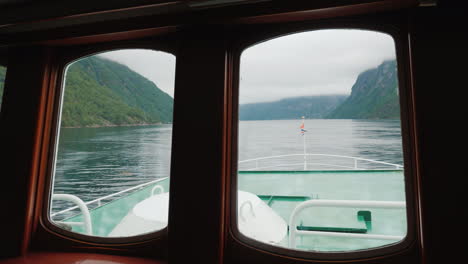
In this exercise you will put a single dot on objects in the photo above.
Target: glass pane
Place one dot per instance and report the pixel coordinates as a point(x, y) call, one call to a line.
point(112, 165)
point(2, 82)
point(320, 147)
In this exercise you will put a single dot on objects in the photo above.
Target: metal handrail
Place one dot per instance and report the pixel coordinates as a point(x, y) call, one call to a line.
point(297, 164)
point(341, 204)
point(397, 166)
point(79, 204)
point(98, 200)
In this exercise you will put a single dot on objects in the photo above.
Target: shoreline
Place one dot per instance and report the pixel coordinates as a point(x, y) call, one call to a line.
point(113, 125)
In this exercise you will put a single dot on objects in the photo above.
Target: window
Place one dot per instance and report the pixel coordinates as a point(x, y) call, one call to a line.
point(111, 174)
point(208, 39)
point(2, 82)
point(320, 155)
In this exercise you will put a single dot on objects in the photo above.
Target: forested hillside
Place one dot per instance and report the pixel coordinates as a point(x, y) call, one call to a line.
point(100, 92)
point(291, 108)
point(373, 96)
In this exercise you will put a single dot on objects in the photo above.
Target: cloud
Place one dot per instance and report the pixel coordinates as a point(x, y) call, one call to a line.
point(302, 64)
point(310, 63)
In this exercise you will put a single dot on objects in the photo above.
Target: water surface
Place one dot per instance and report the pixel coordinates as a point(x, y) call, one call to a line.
point(94, 162)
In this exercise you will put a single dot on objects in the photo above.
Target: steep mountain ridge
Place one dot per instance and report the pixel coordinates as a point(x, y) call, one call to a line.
point(134, 89)
point(100, 92)
point(374, 95)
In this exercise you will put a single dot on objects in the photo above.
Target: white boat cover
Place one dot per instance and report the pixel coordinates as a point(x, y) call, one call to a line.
point(256, 220)
point(147, 216)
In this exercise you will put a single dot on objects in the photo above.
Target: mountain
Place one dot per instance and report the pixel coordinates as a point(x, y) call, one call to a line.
point(100, 92)
point(291, 108)
point(374, 95)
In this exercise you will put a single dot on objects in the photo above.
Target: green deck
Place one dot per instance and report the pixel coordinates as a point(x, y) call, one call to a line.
point(382, 185)
point(283, 190)
point(106, 217)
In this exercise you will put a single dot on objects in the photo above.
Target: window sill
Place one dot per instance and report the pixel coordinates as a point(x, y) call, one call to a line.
point(75, 258)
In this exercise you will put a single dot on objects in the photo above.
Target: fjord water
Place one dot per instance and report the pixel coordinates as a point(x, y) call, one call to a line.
point(94, 162)
point(371, 139)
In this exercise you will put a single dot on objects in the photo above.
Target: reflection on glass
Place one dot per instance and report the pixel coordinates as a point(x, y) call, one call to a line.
point(320, 148)
point(111, 176)
point(2, 82)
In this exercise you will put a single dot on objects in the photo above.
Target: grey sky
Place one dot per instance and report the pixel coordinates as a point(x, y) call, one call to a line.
point(302, 64)
point(310, 63)
point(157, 66)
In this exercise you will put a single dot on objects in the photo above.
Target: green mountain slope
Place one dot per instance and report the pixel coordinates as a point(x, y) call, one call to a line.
point(291, 108)
point(99, 92)
point(373, 96)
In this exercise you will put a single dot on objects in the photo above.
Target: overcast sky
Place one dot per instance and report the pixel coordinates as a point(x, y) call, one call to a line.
point(310, 63)
point(303, 64)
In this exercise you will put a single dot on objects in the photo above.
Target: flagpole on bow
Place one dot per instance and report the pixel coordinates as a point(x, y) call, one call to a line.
point(304, 142)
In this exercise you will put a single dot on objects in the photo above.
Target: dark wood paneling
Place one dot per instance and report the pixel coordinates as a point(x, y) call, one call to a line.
point(439, 49)
point(195, 215)
point(180, 14)
point(20, 121)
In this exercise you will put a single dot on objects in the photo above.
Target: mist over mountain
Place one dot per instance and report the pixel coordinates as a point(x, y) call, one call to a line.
point(291, 108)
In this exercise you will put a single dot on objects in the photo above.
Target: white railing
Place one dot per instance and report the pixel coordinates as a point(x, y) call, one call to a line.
point(305, 163)
point(83, 208)
point(293, 232)
point(98, 201)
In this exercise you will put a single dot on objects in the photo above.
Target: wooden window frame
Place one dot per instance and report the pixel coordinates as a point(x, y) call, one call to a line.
point(61, 56)
point(397, 29)
point(221, 42)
